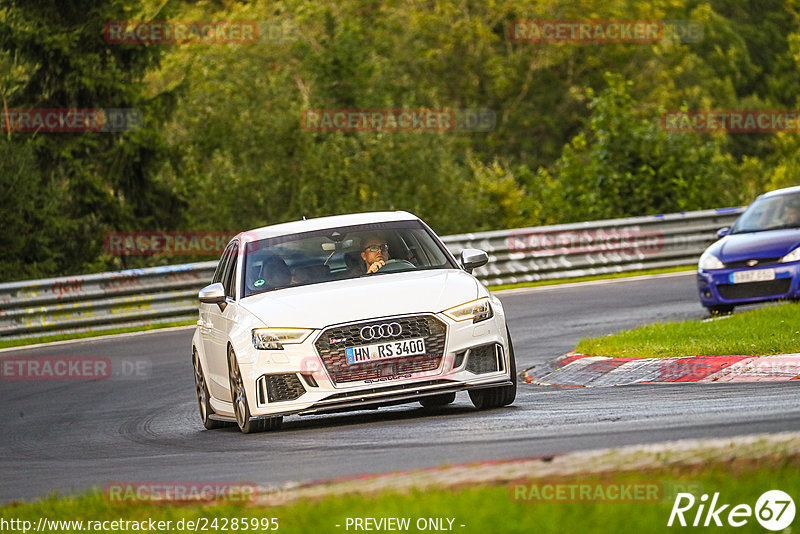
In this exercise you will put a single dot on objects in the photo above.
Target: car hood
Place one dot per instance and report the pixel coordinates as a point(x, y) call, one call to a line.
point(769, 244)
point(320, 305)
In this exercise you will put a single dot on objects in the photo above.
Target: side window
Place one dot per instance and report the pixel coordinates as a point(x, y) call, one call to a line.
point(229, 278)
point(223, 261)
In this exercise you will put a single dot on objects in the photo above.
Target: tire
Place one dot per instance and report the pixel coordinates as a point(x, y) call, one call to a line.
point(486, 398)
point(239, 400)
point(201, 389)
point(436, 401)
point(720, 310)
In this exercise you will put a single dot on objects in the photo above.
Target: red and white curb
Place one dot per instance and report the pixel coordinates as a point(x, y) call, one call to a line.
point(579, 370)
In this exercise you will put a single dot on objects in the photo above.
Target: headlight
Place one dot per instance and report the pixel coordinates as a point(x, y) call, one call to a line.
point(276, 338)
point(792, 256)
point(477, 310)
point(709, 261)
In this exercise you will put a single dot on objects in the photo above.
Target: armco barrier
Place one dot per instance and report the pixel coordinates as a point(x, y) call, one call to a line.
point(598, 247)
point(96, 302)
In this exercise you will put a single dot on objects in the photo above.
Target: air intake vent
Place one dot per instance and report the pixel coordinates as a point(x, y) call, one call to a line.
point(776, 288)
point(279, 388)
point(459, 359)
point(485, 359)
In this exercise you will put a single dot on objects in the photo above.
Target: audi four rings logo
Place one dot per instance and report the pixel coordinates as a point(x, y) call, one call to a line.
point(378, 331)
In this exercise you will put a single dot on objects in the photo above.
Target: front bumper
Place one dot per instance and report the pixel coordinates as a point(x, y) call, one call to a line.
point(472, 356)
point(715, 287)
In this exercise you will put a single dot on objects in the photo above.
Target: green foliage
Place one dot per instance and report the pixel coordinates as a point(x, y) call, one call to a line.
point(577, 134)
point(628, 166)
point(83, 184)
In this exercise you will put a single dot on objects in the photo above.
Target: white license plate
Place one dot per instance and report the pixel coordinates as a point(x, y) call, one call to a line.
point(758, 275)
point(385, 351)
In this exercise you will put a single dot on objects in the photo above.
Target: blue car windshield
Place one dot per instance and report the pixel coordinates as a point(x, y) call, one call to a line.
point(770, 213)
point(339, 254)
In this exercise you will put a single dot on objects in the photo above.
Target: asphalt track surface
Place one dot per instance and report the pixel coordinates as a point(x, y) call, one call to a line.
point(67, 436)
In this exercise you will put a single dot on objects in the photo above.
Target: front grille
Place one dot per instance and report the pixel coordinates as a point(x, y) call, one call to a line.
point(277, 388)
point(484, 359)
point(332, 342)
point(761, 262)
point(750, 290)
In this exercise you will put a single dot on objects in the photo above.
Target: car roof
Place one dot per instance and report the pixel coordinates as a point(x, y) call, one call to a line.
point(784, 191)
point(321, 223)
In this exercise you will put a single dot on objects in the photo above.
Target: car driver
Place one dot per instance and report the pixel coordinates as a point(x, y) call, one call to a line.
point(374, 252)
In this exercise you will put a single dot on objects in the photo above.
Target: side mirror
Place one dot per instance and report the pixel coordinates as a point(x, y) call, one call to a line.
point(722, 232)
point(213, 294)
point(472, 258)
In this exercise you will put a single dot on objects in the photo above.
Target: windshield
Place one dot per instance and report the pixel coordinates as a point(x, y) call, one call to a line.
point(770, 213)
point(340, 254)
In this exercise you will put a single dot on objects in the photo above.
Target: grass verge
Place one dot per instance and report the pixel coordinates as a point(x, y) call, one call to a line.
point(517, 507)
point(8, 343)
point(768, 330)
point(607, 276)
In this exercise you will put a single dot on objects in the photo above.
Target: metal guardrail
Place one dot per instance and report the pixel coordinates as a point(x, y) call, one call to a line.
point(137, 297)
point(597, 247)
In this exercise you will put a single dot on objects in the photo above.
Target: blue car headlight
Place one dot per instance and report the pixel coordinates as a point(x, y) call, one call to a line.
point(709, 261)
point(792, 256)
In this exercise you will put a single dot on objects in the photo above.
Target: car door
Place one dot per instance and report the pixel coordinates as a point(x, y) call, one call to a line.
point(218, 324)
point(204, 309)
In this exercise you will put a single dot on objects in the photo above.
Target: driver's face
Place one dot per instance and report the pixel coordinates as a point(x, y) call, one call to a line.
point(375, 249)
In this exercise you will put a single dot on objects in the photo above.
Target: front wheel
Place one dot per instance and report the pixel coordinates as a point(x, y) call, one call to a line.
point(239, 399)
point(203, 403)
point(486, 398)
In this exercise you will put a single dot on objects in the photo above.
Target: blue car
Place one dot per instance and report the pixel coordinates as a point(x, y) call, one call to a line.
point(757, 259)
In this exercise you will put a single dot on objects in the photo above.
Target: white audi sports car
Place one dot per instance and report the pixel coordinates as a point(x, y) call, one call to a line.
point(349, 312)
